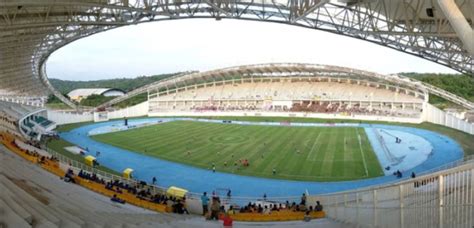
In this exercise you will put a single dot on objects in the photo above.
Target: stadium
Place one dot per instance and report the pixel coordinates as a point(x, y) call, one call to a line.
point(272, 145)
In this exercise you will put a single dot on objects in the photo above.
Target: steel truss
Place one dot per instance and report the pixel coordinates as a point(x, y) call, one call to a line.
point(30, 30)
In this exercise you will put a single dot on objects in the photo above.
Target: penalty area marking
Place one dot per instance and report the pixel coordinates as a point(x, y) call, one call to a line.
point(310, 154)
point(362, 153)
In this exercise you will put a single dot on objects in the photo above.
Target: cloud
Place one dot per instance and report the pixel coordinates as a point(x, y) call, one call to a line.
point(205, 44)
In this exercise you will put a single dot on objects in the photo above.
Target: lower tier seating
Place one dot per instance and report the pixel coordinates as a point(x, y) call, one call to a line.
point(33, 197)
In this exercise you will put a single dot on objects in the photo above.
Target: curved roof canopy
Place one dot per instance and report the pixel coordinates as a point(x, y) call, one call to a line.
point(291, 70)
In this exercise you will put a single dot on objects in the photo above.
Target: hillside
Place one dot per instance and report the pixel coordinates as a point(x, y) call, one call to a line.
point(461, 85)
point(126, 84)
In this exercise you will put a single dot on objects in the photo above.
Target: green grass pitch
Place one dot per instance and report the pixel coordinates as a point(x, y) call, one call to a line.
point(296, 153)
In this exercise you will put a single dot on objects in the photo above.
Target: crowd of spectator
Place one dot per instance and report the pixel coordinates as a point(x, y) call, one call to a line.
point(345, 109)
point(225, 108)
point(213, 208)
point(316, 107)
point(216, 207)
point(267, 209)
point(141, 190)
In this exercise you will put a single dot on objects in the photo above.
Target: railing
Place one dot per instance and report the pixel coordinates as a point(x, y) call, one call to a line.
point(439, 199)
point(191, 197)
point(233, 200)
point(442, 198)
point(76, 166)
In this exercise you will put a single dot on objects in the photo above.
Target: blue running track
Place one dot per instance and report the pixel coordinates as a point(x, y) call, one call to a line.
point(445, 150)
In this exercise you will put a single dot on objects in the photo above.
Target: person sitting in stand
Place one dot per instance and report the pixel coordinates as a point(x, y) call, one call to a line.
point(275, 208)
point(183, 205)
point(69, 176)
point(177, 208)
point(293, 206)
point(109, 186)
point(318, 206)
point(266, 210)
point(307, 216)
point(231, 210)
point(301, 207)
point(117, 200)
point(42, 160)
point(170, 203)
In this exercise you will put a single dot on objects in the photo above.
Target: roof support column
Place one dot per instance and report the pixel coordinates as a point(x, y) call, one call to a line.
point(55, 92)
point(459, 23)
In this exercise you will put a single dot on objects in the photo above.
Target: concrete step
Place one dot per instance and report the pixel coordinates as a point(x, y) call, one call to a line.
point(20, 211)
point(28, 202)
point(9, 218)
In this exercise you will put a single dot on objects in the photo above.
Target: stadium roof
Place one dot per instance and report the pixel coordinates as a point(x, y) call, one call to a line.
point(92, 91)
point(30, 30)
point(291, 70)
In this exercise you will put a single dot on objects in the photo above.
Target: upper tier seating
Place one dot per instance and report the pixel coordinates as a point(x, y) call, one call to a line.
point(292, 91)
point(315, 97)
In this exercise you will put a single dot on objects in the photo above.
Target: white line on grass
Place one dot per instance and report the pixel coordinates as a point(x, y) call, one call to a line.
point(310, 157)
point(362, 153)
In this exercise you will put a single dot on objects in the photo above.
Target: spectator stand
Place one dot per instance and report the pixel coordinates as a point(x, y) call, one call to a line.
point(141, 194)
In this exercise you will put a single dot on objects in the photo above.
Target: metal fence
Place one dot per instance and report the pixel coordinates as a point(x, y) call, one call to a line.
point(443, 197)
point(193, 200)
point(440, 199)
point(76, 166)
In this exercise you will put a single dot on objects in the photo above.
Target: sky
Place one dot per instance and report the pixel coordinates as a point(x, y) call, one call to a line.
point(206, 44)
